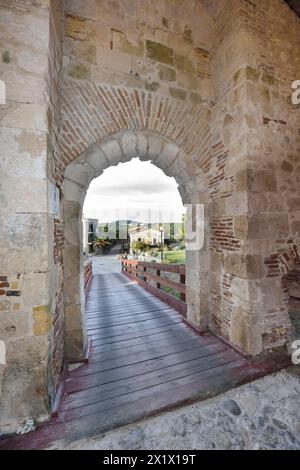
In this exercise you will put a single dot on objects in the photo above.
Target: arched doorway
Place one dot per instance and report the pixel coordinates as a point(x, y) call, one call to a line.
point(192, 186)
point(291, 291)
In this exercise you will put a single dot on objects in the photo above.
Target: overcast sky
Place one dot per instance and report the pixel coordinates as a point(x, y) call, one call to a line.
point(128, 190)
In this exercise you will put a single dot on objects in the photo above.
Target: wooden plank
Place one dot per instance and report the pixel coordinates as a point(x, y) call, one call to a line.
point(145, 340)
point(124, 309)
point(108, 362)
point(137, 334)
point(145, 315)
point(127, 329)
point(123, 314)
point(119, 299)
point(125, 386)
point(102, 377)
point(152, 348)
point(177, 286)
point(148, 390)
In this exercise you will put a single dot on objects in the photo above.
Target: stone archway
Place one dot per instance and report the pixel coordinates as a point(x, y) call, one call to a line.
point(120, 148)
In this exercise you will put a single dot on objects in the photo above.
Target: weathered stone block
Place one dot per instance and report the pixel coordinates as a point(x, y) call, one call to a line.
point(129, 146)
point(142, 146)
point(179, 62)
point(195, 98)
point(97, 159)
point(35, 289)
point(83, 9)
point(237, 203)
point(25, 390)
point(25, 116)
point(79, 71)
point(154, 146)
point(167, 74)
point(268, 226)
point(76, 27)
point(80, 172)
point(122, 44)
point(159, 52)
point(255, 180)
point(42, 320)
point(14, 325)
point(25, 153)
point(247, 337)
point(252, 74)
point(178, 93)
point(23, 195)
point(72, 191)
point(245, 266)
point(24, 243)
point(240, 226)
point(112, 151)
point(167, 155)
point(114, 60)
point(216, 262)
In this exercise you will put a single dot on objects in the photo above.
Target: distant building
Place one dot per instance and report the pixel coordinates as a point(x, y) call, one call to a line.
point(146, 235)
point(89, 234)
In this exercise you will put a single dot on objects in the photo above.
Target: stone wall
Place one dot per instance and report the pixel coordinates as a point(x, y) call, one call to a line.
point(273, 159)
point(27, 294)
point(255, 131)
point(54, 81)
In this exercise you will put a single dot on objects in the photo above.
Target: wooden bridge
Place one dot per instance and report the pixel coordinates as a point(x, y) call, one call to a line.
point(144, 360)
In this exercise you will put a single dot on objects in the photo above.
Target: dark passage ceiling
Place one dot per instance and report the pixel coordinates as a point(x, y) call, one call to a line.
point(295, 5)
point(212, 5)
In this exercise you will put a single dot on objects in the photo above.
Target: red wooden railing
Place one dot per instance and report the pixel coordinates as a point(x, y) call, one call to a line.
point(88, 272)
point(139, 270)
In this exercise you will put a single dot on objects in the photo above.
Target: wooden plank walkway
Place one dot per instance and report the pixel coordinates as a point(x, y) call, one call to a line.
point(144, 360)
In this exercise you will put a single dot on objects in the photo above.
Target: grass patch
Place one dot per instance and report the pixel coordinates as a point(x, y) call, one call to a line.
point(176, 257)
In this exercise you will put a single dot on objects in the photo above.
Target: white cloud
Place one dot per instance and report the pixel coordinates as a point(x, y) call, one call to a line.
point(124, 191)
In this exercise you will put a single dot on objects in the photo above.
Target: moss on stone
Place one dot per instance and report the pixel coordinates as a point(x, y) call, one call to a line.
point(195, 98)
point(6, 59)
point(120, 43)
point(179, 62)
point(167, 73)
point(269, 79)
point(189, 66)
point(153, 86)
point(79, 71)
point(89, 54)
point(178, 93)
point(252, 74)
point(187, 35)
point(159, 52)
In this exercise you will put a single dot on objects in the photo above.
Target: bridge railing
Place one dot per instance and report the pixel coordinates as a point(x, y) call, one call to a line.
point(88, 273)
point(155, 278)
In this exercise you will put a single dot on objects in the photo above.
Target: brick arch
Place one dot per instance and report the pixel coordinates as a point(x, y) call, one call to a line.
point(93, 112)
point(122, 147)
point(282, 267)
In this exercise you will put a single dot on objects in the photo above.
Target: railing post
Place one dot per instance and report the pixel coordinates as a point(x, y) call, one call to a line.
point(158, 274)
point(182, 281)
